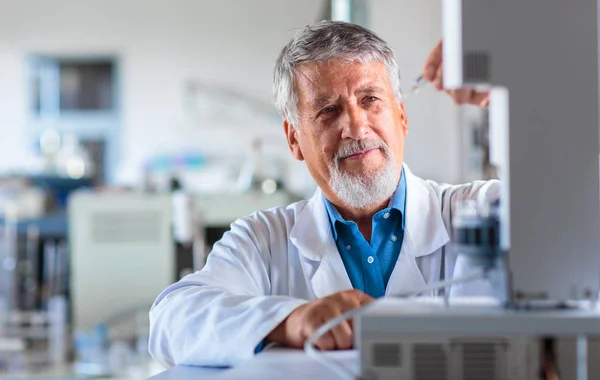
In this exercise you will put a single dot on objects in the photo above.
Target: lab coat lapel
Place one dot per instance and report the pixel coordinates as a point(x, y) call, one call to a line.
point(424, 234)
point(320, 259)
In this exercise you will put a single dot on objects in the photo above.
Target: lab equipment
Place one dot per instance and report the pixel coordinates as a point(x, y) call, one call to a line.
point(419, 83)
point(544, 319)
point(29, 285)
point(33, 340)
point(532, 148)
point(8, 260)
point(32, 336)
point(476, 233)
point(121, 253)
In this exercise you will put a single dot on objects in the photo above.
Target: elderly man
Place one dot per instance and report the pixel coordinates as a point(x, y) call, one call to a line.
point(372, 228)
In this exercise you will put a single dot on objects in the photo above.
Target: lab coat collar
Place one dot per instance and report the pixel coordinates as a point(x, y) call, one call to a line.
point(424, 234)
point(311, 233)
point(312, 237)
point(424, 223)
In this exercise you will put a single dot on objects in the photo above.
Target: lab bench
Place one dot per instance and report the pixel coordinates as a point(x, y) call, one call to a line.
point(272, 364)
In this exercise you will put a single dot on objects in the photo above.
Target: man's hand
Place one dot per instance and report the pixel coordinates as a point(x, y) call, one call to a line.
point(434, 73)
point(297, 328)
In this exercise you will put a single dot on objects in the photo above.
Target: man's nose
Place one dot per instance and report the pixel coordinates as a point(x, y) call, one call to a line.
point(356, 124)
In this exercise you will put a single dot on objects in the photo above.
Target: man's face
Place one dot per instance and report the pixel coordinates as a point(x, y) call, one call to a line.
point(351, 126)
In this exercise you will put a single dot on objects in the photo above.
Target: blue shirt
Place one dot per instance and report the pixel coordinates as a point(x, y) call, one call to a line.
point(369, 264)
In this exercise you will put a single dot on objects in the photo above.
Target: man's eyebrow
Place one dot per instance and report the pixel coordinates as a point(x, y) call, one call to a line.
point(323, 101)
point(370, 90)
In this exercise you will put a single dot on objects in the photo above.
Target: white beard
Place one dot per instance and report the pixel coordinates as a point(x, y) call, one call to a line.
point(366, 189)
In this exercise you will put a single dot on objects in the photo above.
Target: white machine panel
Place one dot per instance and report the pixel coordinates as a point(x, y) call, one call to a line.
point(545, 52)
point(422, 339)
point(122, 254)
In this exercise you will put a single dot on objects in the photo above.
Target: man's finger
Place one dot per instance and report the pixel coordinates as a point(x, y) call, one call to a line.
point(351, 323)
point(365, 298)
point(481, 99)
point(439, 78)
point(433, 62)
point(326, 342)
point(464, 96)
point(342, 334)
point(452, 94)
point(354, 299)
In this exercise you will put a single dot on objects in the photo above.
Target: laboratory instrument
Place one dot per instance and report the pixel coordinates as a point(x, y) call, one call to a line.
point(420, 81)
point(30, 337)
point(126, 238)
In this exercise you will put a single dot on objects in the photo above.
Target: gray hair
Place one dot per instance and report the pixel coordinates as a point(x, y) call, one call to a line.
point(323, 42)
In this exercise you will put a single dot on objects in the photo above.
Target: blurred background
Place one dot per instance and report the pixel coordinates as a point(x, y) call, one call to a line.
point(133, 132)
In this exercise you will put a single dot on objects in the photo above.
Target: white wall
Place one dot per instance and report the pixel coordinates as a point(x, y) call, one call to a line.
point(233, 42)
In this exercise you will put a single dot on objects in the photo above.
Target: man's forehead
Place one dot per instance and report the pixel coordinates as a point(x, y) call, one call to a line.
point(320, 78)
point(334, 69)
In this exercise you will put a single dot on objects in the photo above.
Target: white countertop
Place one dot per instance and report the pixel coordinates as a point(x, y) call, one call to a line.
point(276, 364)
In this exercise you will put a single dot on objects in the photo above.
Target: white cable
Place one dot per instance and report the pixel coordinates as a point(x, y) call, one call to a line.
point(443, 284)
point(342, 371)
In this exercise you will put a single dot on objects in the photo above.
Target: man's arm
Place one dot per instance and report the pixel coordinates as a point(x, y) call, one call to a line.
point(219, 315)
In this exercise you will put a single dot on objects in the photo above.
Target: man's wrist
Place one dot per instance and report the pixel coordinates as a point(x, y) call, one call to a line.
point(277, 335)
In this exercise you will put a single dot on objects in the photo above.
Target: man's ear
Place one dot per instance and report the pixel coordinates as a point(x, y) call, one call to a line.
point(403, 117)
point(291, 133)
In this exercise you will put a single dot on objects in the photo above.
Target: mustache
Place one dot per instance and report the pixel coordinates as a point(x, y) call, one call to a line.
point(355, 147)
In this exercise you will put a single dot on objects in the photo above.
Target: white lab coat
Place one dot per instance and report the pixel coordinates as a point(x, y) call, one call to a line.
point(273, 261)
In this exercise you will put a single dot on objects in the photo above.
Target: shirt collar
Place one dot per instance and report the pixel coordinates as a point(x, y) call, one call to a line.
point(397, 202)
point(334, 216)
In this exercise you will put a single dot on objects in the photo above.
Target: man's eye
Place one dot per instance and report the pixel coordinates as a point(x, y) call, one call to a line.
point(328, 110)
point(370, 99)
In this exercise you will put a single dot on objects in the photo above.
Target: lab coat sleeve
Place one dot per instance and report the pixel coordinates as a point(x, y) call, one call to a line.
point(219, 315)
point(451, 196)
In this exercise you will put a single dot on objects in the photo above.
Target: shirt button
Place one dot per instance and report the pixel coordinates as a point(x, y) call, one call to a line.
point(348, 247)
point(386, 215)
point(370, 259)
point(394, 238)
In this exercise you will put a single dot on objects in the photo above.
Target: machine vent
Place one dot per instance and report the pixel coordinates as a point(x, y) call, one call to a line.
point(430, 362)
point(386, 355)
point(479, 361)
point(131, 227)
point(477, 67)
